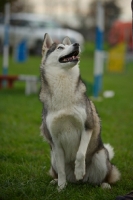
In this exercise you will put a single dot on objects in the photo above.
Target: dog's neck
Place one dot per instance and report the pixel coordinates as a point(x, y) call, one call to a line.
point(66, 71)
point(59, 78)
point(62, 87)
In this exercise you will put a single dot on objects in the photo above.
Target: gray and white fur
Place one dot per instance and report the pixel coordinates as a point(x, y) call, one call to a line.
point(70, 122)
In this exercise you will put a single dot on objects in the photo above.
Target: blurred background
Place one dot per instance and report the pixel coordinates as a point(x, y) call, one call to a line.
point(104, 32)
point(76, 18)
point(103, 29)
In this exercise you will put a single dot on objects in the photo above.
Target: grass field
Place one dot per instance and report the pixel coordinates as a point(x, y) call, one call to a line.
point(24, 156)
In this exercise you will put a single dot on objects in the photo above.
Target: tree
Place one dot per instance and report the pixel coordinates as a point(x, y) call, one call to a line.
point(16, 6)
point(112, 12)
point(3, 2)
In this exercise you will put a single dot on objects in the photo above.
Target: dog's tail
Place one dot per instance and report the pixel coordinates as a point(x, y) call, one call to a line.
point(114, 174)
point(110, 150)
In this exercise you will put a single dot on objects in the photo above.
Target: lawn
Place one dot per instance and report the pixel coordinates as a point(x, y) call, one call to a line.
point(24, 156)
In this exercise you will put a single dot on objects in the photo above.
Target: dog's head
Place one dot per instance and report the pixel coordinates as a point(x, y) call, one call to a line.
point(64, 55)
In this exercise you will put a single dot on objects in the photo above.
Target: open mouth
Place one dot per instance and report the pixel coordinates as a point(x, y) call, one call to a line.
point(72, 57)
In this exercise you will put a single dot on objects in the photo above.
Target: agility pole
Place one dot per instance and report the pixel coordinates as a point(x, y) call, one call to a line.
point(99, 55)
point(6, 39)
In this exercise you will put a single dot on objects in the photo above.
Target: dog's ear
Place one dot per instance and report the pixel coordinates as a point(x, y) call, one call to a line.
point(46, 43)
point(66, 41)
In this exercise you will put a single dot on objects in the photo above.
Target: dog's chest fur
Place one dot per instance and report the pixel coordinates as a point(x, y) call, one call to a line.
point(66, 109)
point(63, 89)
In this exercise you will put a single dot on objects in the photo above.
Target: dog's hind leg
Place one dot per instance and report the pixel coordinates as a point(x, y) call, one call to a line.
point(53, 170)
point(98, 169)
point(80, 157)
point(60, 164)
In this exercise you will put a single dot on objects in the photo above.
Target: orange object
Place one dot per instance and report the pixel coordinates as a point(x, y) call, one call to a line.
point(121, 32)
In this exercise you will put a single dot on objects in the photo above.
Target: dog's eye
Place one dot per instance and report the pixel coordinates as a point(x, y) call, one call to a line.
point(60, 47)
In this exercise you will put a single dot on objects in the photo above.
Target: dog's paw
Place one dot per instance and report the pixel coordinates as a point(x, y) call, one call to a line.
point(79, 168)
point(54, 182)
point(105, 186)
point(61, 186)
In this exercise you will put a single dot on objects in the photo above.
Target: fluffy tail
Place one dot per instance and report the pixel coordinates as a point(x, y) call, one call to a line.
point(114, 174)
point(110, 149)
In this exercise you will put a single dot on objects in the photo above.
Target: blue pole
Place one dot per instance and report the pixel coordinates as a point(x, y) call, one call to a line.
point(98, 58)
point(6, 39)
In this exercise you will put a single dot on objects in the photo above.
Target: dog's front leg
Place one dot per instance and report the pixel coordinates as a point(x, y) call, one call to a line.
point(80, 157)
point(60, 162)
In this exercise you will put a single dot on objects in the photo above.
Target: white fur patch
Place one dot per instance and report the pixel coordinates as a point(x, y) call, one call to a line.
point(110, 150)
point(105, 186)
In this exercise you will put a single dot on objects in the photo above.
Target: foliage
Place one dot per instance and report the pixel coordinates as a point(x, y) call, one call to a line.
point(111, 9)
point(3, 2)
point(16, 6)
point(88, 21)
point(24, 156)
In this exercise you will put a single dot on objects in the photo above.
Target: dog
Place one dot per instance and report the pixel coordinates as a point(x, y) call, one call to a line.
point(70, 122)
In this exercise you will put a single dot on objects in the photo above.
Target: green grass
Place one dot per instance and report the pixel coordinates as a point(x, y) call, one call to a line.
point(24, 157)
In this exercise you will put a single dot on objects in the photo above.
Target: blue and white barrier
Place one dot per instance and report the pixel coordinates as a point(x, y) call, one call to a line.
point(99, 54)
point(6, 39)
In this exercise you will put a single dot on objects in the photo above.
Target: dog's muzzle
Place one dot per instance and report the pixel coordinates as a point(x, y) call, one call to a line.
point(73, 56)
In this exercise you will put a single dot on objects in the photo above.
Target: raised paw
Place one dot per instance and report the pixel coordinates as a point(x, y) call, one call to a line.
point(79, 169)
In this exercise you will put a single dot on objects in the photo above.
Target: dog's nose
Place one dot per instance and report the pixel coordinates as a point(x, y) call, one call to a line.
point(76, 44)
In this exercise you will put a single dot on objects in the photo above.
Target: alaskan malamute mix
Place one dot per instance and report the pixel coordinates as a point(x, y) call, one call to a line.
point(70, 122)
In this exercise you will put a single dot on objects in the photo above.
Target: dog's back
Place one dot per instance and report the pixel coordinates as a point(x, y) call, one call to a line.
point(70, 122)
